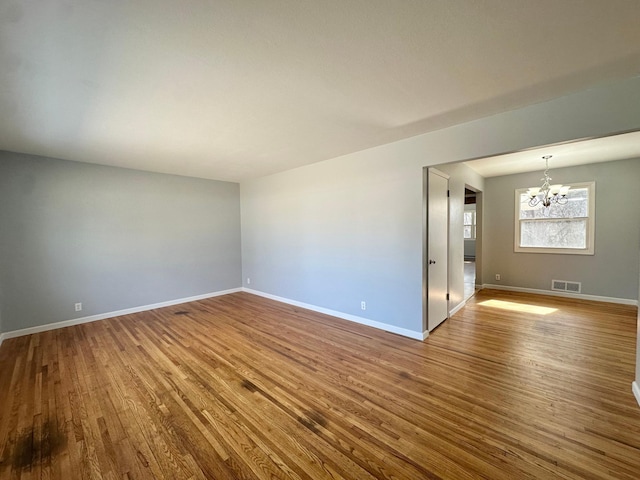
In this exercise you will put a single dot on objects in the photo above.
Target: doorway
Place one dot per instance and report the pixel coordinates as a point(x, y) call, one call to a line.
point(437, 248)
point(462, 186)
point(470, 233)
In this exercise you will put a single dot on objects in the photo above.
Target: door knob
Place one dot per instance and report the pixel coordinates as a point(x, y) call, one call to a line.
point(431, 262)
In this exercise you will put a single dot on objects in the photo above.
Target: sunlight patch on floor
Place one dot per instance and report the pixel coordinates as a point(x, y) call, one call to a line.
point(518, 307)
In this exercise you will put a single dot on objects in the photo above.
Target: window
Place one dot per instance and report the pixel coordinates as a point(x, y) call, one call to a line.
point(560, 228)
point(469, 224)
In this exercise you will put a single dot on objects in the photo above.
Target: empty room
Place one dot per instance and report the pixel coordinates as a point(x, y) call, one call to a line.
point(319, 240)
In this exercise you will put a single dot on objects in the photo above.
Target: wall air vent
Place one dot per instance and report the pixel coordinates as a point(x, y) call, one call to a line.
point(566, 286)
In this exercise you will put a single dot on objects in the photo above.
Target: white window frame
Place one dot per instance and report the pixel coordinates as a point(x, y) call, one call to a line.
point(591, 225)
point(472, 225)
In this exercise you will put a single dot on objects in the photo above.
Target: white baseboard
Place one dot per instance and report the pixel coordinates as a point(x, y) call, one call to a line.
point(345, 316)
point(117, 313)
point(1, 338)
point(553, 293)
point(457, 308)
point(636, 391)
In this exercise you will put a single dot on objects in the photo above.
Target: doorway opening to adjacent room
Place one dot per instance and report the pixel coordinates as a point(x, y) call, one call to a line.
point(436, 258)
point(472, 239)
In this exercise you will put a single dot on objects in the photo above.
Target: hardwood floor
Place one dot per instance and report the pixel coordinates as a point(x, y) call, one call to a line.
point(241, 387)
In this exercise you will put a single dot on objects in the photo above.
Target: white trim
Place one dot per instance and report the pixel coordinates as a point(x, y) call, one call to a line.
point(345, 316)
point(457, 308)
point(440, 173)
point(553, 293)
point(636, 391)
point(117, 313)
point(2, 335)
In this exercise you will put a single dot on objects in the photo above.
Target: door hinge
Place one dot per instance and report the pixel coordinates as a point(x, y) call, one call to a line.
point(447, 296)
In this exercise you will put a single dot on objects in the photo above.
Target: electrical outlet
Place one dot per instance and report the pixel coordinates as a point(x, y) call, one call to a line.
point(248, 281)
point(497, 276)
point(78, 307)
point(363, 305)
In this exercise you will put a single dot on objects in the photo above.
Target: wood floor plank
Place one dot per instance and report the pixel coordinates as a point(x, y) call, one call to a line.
point(242, 387)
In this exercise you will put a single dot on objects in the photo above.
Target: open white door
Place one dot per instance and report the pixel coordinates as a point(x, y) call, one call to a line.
point(437, 248)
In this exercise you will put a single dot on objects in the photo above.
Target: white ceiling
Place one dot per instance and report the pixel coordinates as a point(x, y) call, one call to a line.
point(234, 89)
point(605, 149)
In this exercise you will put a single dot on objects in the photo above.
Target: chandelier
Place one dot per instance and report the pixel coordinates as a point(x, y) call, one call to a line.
point(547, 194)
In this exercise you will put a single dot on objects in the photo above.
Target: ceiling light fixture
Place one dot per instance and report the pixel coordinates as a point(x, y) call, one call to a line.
point(548, 194)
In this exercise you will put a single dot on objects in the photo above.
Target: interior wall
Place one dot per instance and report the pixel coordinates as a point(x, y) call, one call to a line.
point(460, 176)
point(611, 272)
point(110, 238)
point(349, 229)
point(469, 248)
point(334, 237)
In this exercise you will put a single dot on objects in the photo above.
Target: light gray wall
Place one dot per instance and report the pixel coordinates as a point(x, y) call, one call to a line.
point(334, 237)
point(611, 272)
point(349, 229)
point(460, 176)
point(110, 238)
point(469, 248)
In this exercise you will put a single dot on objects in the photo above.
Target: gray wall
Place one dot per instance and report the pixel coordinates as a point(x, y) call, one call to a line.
point(469, 248)
point(349, 229)
point(110, 238)
point(611, 272)
point(334, 237)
